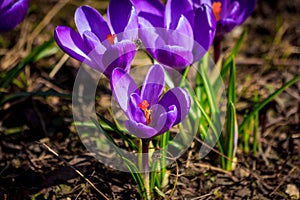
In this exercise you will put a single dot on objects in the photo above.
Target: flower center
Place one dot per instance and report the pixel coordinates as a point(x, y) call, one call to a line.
point(147, 112)
point(111, 38)
point(217, 9)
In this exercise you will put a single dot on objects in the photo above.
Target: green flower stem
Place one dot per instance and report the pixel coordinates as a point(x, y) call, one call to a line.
point(217, 49)
point(145, 159)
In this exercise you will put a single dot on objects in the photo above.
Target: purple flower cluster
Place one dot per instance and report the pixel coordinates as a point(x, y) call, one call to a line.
point(176, 35)
point(12, 13)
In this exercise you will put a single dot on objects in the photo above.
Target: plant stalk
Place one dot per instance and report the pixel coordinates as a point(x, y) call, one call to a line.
point(217, 49)
point(145, 159)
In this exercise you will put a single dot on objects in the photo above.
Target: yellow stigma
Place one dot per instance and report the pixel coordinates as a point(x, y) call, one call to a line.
point(217, 9)
point(144, 107)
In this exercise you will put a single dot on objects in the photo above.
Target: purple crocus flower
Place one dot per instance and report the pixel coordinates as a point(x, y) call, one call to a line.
point(176, 34)
point(148, 113)
point(100, 44)
point(228, 14)
point(12, 13)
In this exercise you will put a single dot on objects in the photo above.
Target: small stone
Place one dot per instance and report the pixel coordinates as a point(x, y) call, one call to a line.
point(292, 191)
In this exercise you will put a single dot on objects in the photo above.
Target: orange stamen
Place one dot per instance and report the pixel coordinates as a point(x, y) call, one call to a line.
point(217, 9)
point(110, 38)
point(144, 107)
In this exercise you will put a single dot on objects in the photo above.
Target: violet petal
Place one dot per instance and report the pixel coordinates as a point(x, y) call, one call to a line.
point(173, 56)
point(134, 112)
point(180, 99)
point(246, 8)
point(122, 86)
point(226, 25)
point(175, 9)
point(152, 10)
point(140, 130)
point(183, 34)
point(131, 29)
point(89, 19)
point(119, 55)
point(12, 16)
point(6, 4)
point(152, 37)
point(91, 41)
point(71, 43)
point(205, 26)
point(163, 119)
point(119, 12)
point(234, 11)
point(153, 84)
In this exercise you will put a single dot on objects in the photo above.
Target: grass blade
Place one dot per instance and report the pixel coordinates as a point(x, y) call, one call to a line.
point(231, 121)
point(259, 106)
point(231, 136)
point(233, 53)
point(136, 175)
point(47, 49)
point(108, 126)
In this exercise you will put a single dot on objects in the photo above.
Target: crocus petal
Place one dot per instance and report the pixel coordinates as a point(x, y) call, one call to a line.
point(171, 117)
point(153, 84)
point(155, 21)
point(119, 12)
point(71, 43)
point(95, 49)
point(173, 56)
point(131, 29)
point(95, 59)
point(183, 34)
point(122, 86)
point(180, 99)
point(246, 8)
point(6, 3)
point(140, 130)
point(200, 2)
point(154, 40)
point(152, 36)
point(174, 10)
point(205, 27)
point(119, 55)
point(154, 6)
point(233, 11)
point(163, 119)
point(157, 111)
point(89, 19)
point(225, 26)
point(152, 10)
point(134, 112)
point(91, 41)
point(14, 15)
